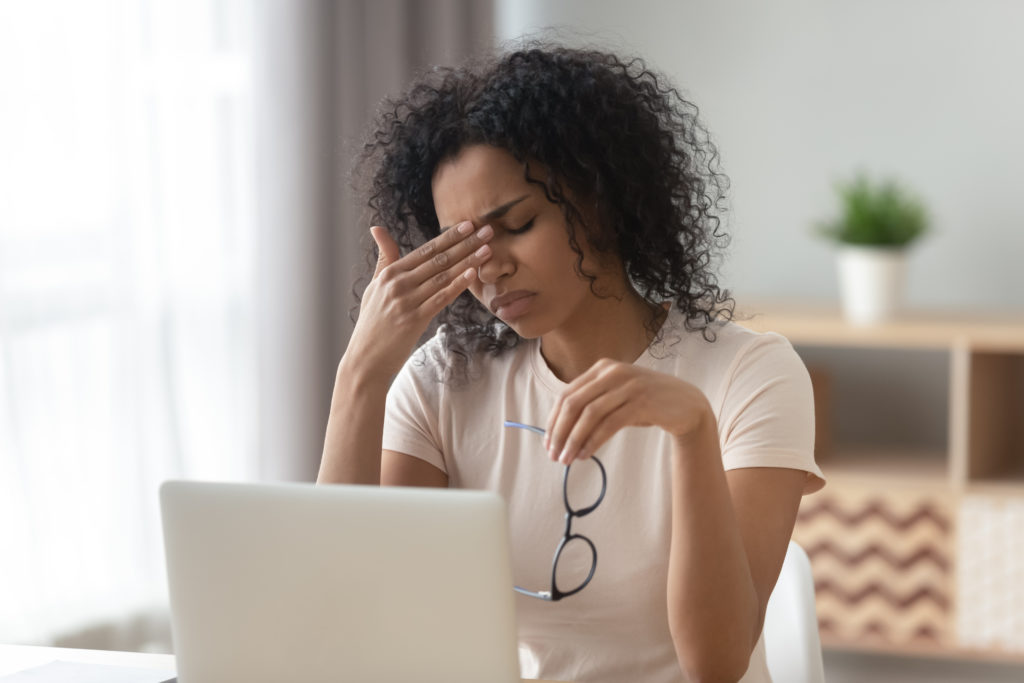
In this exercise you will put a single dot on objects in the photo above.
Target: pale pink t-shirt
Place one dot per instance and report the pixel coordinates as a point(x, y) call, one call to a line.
point(615, 629)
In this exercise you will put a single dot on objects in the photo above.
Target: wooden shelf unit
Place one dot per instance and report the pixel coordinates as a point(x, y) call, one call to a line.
point(823, 324)
point(986, 379)
point(914, 467)
point(914, 541)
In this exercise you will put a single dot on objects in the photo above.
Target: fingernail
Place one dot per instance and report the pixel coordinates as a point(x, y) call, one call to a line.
point(483, 251)
point(564, 457)
point(485, 232)
point(465, 227)
point(547, 442)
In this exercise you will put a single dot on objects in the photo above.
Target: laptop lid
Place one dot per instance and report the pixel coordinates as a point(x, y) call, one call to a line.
point(296, 582)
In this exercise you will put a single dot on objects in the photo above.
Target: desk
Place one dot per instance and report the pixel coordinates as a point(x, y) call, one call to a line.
point(14, 658)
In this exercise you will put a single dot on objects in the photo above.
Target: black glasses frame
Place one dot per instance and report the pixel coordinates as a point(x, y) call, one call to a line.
point(555, 593)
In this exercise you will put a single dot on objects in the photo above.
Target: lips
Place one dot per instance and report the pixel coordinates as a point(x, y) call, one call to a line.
point(505, 299)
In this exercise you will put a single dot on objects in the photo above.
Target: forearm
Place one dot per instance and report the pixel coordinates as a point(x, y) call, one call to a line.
point(352, 445)
point(713, 606)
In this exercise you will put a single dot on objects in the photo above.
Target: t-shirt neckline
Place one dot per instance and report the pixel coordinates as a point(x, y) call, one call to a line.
point(667, 336)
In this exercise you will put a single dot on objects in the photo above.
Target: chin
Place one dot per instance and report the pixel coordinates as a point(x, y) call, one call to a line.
point(529, 327)
point(525, 332)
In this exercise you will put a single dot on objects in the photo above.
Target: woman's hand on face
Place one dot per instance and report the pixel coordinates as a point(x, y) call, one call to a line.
point(406, 293)
point(612, 395)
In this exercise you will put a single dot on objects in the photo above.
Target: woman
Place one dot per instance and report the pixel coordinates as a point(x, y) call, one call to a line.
point(557, 213)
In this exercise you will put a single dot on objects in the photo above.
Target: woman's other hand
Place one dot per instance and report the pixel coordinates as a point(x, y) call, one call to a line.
point(612, 395)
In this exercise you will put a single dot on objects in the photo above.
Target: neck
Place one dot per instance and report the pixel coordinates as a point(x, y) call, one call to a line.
point(615, 328)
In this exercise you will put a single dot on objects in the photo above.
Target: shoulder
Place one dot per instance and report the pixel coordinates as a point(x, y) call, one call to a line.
point(767, 350)
point(750, 362)
point(764, 403)
point(756, 371)
point(715, 356)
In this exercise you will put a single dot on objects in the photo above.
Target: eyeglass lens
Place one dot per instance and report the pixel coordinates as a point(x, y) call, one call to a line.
point(584, 485)
point(574, 564)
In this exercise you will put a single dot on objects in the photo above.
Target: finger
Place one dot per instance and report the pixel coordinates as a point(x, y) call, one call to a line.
point(387, 249)
point(590, 417)
point(450, 251)
point(598, 380)
point(618, 418)
point(566, 405)
point(556, 411)
point(444, 278)
point(436, 302)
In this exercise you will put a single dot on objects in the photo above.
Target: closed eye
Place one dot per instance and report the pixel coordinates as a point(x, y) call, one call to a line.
point(527, 226)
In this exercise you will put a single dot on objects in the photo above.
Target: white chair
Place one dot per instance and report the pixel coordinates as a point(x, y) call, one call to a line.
point(791, 641)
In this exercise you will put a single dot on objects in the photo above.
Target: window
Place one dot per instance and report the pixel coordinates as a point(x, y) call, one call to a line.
point(127, 345)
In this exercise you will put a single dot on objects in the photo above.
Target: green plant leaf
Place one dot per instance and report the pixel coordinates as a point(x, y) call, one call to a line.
point(880, 214)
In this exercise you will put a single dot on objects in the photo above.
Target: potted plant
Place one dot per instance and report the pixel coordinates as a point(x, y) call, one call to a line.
point(876, 224)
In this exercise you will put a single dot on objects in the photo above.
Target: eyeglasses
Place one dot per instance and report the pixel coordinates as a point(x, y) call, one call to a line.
point(568, 537)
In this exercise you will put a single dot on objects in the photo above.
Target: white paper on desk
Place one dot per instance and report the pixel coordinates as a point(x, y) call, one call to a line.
point(76, 672)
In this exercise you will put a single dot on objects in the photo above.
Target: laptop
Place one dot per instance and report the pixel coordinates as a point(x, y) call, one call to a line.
point(301, 583)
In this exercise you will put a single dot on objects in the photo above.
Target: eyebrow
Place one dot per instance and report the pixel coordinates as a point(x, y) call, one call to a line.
point(496, 213)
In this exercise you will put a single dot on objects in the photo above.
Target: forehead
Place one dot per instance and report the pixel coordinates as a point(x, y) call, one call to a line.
point(475, 181)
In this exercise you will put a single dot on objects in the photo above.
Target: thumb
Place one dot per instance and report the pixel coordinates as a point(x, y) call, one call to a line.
point(386, 246)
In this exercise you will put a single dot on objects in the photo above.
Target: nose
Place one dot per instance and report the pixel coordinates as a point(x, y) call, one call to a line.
point(500, 265)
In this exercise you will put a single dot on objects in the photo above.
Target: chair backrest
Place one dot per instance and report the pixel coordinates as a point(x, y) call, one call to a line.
point(791, 641)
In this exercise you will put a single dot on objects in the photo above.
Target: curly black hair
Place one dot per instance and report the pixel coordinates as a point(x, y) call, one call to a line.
point(612, 136)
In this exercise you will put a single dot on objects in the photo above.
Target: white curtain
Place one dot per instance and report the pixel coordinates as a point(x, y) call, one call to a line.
point(127, 311)
point(176, 261)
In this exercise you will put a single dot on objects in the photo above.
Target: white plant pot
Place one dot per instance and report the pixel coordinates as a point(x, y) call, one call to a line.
point(871, 281)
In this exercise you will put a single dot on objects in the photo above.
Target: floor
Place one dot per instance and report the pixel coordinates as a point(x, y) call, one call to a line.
point(847, 667)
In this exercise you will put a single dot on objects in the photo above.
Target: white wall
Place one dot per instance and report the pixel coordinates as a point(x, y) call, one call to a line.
point(799, 93)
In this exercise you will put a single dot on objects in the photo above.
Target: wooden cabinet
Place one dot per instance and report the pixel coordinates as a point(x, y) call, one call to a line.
point(917, 542)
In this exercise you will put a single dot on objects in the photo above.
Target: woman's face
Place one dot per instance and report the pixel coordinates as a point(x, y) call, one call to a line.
point(530, 281)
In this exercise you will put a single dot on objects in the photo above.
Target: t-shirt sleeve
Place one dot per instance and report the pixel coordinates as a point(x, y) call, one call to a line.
point(767, 413)
point(411, 423)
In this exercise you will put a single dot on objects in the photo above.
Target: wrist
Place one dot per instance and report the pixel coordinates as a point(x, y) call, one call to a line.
point(699, 420)
point(700, 439)
point(355, 378)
